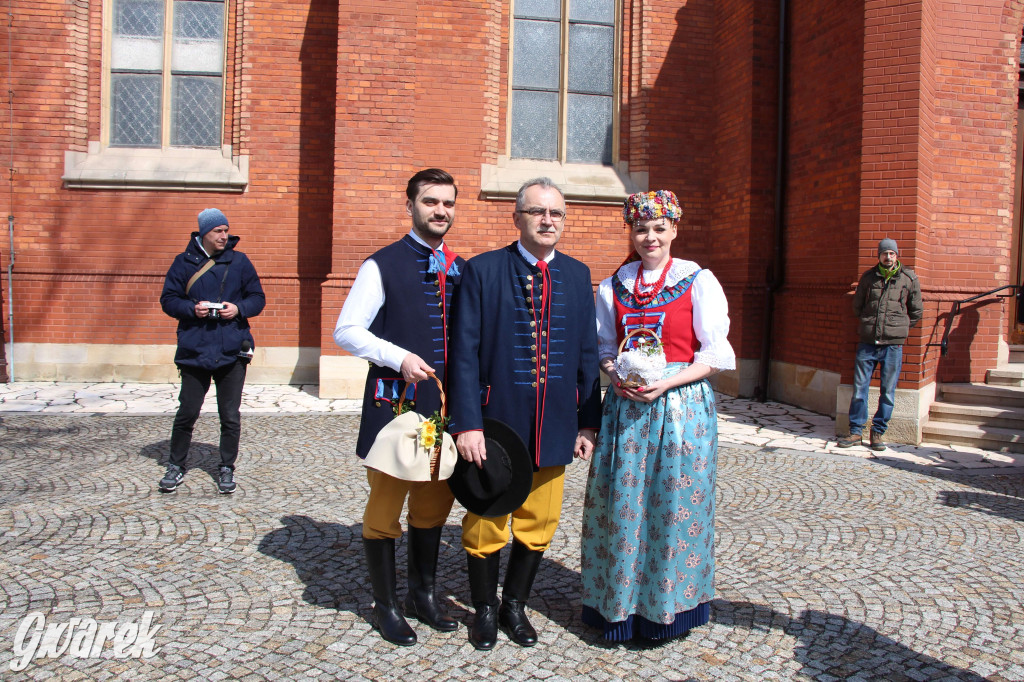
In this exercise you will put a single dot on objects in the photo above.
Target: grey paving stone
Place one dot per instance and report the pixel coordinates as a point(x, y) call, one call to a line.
point(829, 567)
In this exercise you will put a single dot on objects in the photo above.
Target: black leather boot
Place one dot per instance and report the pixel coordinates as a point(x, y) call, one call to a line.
point(522, 569)
point(483, 589)
point(387, 616)
point(421, 602)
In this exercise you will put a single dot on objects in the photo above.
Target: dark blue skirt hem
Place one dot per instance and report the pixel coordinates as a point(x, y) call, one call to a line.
point(635, 625)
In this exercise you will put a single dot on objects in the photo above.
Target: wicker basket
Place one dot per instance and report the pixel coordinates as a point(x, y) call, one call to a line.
point(435, 456)
point(638, 368)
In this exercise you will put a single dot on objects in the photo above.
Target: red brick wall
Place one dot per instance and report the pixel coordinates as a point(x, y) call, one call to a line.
point(901, 124)
point(743, 169)
point(898, 148)
point(400, 109)
point(90, 264)
point(813, 320)
point(976, 51)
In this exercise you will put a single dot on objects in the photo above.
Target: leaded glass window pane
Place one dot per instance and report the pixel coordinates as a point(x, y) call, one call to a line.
point(135, 110)
point(196, 107)
point(542, 9)
point(139, 66)
point(198, 37)
point(599, 11)
point(571, 85)
point(590, 129)
point(591, 59)
point(535, 58)
point(534, 125)
point(137, 42)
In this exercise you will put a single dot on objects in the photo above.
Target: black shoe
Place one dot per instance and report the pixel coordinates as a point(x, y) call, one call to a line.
point(421, 601)
point(513, 620)
point(226, 481)
point(484, 633)
point(483, 587)
point(522, 569)
point(387, 616)
point(645, 643)
point(172, 479)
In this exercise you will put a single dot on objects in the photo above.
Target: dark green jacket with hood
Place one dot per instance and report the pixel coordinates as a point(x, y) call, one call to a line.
point(887, 309)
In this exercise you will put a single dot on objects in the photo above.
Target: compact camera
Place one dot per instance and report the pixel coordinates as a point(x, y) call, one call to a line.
point(215, 309)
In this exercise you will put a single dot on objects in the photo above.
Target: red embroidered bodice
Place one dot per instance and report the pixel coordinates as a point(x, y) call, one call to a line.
point(670, 316)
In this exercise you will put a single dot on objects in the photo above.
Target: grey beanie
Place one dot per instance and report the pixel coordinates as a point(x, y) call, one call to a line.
point(885, 245)
point(210, 218)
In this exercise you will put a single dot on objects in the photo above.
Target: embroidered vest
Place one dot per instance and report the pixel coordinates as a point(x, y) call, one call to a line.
point(669, 315)
point(415, 317)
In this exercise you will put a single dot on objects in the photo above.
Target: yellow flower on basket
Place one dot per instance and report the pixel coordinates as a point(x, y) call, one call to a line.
point(428, 441)
point(428, 429)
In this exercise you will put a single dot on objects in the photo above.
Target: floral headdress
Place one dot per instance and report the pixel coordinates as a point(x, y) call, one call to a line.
point(651, 205)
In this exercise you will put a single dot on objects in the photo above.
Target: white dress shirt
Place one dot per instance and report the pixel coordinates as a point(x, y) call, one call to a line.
point(364, 301)
point(530, 258)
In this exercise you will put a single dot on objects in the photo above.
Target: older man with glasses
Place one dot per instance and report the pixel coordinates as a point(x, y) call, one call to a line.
point(524, 352)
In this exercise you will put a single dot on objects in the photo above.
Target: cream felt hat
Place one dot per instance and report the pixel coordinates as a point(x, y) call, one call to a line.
point(397, 451)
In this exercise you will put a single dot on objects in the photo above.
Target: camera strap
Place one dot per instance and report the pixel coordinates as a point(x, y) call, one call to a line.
point(220, 294)
point(199, 273)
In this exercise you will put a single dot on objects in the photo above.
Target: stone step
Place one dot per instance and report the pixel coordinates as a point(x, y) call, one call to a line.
point(986, 438)
point(977, 415)
point(1016, 353)
point(1008, 376)
point(982, 394)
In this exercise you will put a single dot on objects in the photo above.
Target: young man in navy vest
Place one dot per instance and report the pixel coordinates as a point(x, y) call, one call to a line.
point(396, 317)
point(524, 352)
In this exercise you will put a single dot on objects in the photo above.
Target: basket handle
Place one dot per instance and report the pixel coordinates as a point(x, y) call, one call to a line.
point(444, 402)
point(633, 333)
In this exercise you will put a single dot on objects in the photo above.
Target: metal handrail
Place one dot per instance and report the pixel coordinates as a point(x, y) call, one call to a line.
point(955, 310)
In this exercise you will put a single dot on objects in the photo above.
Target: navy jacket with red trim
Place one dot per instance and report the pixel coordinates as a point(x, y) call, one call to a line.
point(495, 366)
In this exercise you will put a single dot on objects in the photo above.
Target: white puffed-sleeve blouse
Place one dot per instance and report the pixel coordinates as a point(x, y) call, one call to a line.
point(710, 311)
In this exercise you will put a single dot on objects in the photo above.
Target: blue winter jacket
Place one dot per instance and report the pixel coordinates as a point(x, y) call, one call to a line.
point(209, 343)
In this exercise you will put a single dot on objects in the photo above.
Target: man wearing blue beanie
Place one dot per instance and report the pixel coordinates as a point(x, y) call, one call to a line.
point(212, 290)
point(888, 304)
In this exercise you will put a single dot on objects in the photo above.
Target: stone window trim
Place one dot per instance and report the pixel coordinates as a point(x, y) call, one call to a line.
point(171, 169)
point(581, 183)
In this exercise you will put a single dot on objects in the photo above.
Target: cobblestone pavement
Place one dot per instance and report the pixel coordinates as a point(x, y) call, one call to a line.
point(829, 567)
point(768, 425)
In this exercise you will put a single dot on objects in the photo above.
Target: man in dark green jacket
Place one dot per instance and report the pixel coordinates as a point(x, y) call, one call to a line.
point(888, 303)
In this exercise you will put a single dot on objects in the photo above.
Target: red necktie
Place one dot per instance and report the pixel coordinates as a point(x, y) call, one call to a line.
point(543, 346)
point(545, 279)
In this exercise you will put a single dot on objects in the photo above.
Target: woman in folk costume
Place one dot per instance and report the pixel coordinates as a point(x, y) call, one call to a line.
point(649, 516)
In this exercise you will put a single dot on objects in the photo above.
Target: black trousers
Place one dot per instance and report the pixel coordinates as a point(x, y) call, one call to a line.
point(195, 383)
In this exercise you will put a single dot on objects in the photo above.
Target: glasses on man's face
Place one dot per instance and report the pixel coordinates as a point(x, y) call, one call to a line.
point(557, 214)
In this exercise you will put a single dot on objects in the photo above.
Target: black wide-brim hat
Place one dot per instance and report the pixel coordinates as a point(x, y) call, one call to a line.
point(504, 482)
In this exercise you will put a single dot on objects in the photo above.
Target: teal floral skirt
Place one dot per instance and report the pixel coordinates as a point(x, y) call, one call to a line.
point(648, 548)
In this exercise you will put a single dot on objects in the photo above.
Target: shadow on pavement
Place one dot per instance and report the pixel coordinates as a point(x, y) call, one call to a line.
point(995, 494)
point(1005, 505)
point(830, 646)
point(203, 457)
point(328, 558)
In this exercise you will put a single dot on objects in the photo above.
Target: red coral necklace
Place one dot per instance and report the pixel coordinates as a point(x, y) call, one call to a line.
point(645, 297)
